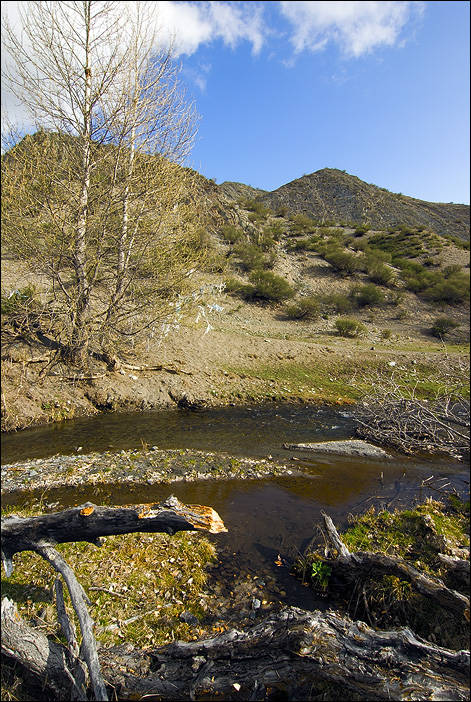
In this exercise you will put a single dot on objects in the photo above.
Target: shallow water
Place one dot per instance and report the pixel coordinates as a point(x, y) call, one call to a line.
point(247, 431)
point(264, 517)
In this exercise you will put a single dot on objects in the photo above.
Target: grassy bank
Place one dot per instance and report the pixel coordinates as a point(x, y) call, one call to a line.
point(138, 584)
point(416, 535)
point(337, 379)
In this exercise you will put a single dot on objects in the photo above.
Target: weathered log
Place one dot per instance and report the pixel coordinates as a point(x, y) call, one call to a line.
point(85, 523)
point(89, 522)
point(41, 657)
point(367, 563)
point(293, 653)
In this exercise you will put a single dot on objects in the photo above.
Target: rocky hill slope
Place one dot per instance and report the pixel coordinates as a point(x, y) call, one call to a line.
point(331, 195)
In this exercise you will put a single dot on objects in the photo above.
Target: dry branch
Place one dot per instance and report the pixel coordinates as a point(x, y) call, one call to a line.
point(366, 563)
point(87, 522)
point(292, 654)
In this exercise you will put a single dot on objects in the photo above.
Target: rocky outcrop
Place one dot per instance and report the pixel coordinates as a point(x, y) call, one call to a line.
point(237, 191)
point(350, 447)
point(334, 195)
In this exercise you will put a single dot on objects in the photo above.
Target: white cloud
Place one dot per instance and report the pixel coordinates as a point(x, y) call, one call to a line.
point(357, 27)
point(191, 24)
point(186, 25)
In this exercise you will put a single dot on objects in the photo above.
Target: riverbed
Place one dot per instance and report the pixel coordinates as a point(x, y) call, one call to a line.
point(230, 459)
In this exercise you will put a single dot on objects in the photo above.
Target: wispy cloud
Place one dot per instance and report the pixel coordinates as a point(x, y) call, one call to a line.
point(356, 27)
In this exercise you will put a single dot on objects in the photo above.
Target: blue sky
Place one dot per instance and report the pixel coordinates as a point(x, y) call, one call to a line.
point(395, 114)
point(380, 89)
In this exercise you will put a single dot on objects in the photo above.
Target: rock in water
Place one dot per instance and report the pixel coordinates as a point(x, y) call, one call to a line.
point(349, 447)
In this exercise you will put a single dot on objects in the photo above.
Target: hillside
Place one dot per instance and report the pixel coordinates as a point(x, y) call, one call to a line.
point(331, 195)
point(236, 191)
point(256, 342)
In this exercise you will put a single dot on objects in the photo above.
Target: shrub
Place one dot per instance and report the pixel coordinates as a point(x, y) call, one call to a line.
point(281, 211)
point(257, 207)
point(268, 286)
point(362, 229)
point(451, 270)
point(232, 285)
point(344, 262)
point(249, 255)
point(381, 274)
point(386, 334)
point(402, 313)
point(367, 295)
point(442, 326)
point(307, 244)
point(305, 308)
point(274, 231)
point(452, 290)
point(397, 297)
point(302, 224)
point(349, 327)
point(231, 234)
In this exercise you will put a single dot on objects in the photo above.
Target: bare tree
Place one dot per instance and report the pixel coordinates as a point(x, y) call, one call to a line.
point(98, 200)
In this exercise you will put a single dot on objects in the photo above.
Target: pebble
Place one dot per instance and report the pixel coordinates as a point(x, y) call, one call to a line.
point(188, 618)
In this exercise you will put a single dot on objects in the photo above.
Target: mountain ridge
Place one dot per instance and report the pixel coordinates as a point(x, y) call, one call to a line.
point(334, 195)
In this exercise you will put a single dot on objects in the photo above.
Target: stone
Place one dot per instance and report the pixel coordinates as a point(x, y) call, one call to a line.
point(189, 618)
point(347, 447)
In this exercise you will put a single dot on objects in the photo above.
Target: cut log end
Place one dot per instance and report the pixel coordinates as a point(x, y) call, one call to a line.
point(207, 519)
point(199, 516)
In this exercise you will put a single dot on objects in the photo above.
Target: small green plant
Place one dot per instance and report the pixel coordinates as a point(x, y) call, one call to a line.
point(443, 326)
point(349, 327)
point(320, 574)
point(386, 334)
point(368, 295)
point(17, 300)
point(305, 308)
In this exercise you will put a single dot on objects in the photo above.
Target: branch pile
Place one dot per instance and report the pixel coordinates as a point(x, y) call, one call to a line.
point(412, 425)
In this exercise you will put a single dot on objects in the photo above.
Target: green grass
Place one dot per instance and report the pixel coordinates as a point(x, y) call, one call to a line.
point(404, 533)
point(335, 380)
point(154, 575)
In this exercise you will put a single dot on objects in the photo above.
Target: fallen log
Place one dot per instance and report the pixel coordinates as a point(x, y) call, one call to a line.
point(366, 563)
point(292, 655)
point(87, 522)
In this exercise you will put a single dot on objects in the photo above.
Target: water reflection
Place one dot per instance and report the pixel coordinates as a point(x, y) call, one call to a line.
point(249, 431)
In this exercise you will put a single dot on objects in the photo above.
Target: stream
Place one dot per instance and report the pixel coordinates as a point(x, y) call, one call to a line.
point(266, 517)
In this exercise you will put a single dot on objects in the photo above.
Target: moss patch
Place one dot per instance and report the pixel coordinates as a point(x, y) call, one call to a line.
point(416, 535)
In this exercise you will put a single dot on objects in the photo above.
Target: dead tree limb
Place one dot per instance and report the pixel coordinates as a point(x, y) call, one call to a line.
point(367, 563)
point(396, 417)
point(293, 653)
point(89, 522)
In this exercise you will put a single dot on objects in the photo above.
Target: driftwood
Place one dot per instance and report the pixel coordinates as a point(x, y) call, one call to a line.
point(412, 425)
point(291, 654)
point(84, 523)
point(368, 563)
